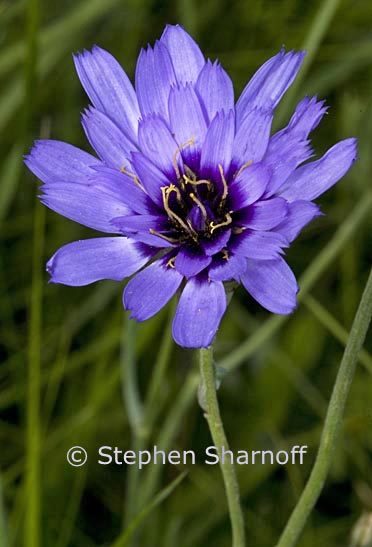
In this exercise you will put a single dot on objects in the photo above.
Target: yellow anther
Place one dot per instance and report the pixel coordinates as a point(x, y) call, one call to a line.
point(190, 142)
point(197, 182)
point(225, 254)
point(214, 226)
point(175, 164)
point(173, 188)
point(190, 173)
point(167, 238)
point(125, 171)
point(225, 188)
point(199, 204)
point(190, 178)
point(247, 164)
point(171, 262)
point(166, 191)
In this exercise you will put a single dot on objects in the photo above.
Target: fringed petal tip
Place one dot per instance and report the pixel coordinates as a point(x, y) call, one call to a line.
point(311, 180)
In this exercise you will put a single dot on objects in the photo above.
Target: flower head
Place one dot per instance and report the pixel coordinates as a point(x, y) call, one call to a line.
point(191, 188)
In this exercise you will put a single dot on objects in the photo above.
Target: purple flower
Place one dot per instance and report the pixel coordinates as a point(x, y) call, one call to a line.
point(193, 186)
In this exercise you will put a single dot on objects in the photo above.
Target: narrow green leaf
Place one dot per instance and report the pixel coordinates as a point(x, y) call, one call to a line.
point(55, 34)
point(125, 537)
point(9, 177)
point(318, 29)
point(3, 520)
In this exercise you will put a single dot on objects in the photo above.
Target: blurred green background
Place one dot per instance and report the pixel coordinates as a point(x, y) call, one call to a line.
point(74, 371)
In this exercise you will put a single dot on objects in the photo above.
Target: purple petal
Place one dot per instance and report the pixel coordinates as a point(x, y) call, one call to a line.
point(151, 240)
point(215, 88)
point(154, 77)
point(189, 262)
point(259, 245)
point(107, 139)
point(139, 223)
point(199, 312)
point(152, 179)
point(151, 289)
point(289, 147)
point(305, 119)
point(109, 88)
point(272, 283)
point(157, 143)
point(300, 213)
point(311, 180)
point(252, 136)
point(248, 186)
point(185, 53)
point(270, 82)
point(227, 268)
point(264, 215)
point(217, 147)
point(83, 204)
point(282, 157)
point(187, 123)
point(213, 246)
point(56, 161)
point(122, 187)
point(83, 262)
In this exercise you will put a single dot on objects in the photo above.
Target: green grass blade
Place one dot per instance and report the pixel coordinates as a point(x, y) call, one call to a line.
point(124, 539)
point(335, 328)
point(4, 537)
point(320, 25)
point(9, 177)
point(33, 427)
point(55, 34)
point(130, 392)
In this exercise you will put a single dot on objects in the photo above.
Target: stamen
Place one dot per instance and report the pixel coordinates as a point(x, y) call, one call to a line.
point(171, 262)
point(166, 191)
point(238, 229)
point(242, 168)
point(173, 188)
point(214, 226)
point(190, 142)
point(124, 170)
point(200, 205)
point(197, 182)
point(190, 178)
point(225, 188)
point(190, 173)
point(167, 238)
point(225, 254)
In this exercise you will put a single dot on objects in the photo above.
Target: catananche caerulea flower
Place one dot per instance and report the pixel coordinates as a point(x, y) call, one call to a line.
point(191, 188)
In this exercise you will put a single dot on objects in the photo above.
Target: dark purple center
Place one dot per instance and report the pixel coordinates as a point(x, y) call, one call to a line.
point(197, 208)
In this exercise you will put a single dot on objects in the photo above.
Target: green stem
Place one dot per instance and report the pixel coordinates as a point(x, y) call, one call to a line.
point(213, 416)
point(333, 421)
